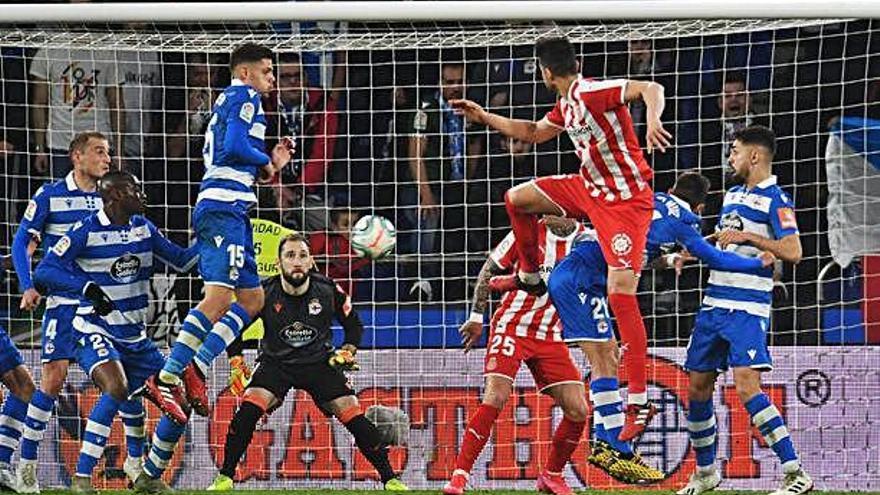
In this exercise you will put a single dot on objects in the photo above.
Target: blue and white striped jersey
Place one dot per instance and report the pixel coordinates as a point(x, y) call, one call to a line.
point(766, 211)
point(234, 149)
point(120, 259)
point(49, 215)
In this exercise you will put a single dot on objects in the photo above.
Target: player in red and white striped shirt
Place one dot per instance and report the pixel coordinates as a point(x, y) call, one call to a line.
point(525, 328)
point(612, 189)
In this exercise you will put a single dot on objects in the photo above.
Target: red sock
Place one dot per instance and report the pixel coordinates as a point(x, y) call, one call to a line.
point(565, 440)
point(476, 434)
point(525, 229)
point(634, 335)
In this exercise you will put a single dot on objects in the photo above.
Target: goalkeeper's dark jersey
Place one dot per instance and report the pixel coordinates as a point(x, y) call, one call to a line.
point(297, 328)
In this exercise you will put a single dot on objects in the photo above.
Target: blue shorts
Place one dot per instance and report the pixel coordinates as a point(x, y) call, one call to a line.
point(724, 338)
point(10, 358)
point(226, 249)
point(139, 360)
point(578, 291)
point(58, 332)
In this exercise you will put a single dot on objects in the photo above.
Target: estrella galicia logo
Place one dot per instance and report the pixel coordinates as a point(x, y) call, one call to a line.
point(125, 269)
point(298, 334)
point(733, 221)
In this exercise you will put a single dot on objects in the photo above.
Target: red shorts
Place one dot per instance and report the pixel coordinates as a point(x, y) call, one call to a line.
point(549, 362)
point(622, 226)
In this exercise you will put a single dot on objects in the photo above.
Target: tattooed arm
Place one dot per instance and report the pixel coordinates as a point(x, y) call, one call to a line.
point(472, 329)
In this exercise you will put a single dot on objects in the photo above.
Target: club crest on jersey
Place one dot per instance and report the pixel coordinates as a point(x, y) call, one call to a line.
point(602, 326)
point(233, 274)
point(621, 244)
point(315, 307)
point(125, 269)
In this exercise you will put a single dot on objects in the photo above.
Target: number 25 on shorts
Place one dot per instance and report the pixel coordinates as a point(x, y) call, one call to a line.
point(504, 344)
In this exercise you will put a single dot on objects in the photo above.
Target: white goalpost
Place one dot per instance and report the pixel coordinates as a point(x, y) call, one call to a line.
point(358, 83)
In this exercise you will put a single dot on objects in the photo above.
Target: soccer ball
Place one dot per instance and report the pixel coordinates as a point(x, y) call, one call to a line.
point(392, 423)
point(373, 236)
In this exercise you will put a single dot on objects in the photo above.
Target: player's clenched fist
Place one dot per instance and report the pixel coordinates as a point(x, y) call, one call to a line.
point(239, 375)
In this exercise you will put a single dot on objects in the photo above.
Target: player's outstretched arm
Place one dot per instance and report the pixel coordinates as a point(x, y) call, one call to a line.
point(180, 259)
point(715, 258)
point(524, 130)
point(653, 94)
point(472, 329)
point(787, 249)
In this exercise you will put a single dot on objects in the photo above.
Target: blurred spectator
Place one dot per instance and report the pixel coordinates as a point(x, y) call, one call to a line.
point(308, 114)
point(141, 93)
point(73, 91)
point(439, 166)
point(333, 252)
point(323, 69)
point(511, 162)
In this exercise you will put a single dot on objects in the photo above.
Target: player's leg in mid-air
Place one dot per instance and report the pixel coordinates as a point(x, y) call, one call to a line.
point(578, 293)
point(329, 388)
point(227, 265)
point(17, 379)
point(725, 338)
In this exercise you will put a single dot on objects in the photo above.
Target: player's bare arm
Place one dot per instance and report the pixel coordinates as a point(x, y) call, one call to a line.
point(524, 130)
point(653, 94)
point(787, 249)
point(472, 329)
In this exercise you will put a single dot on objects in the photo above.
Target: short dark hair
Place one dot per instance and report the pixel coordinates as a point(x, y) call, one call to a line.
point(289, 58)
point(757, 135)
point(292, 237)
point(248, 53)
point(735, 76)
point(80, 141)
point(114, 179)
point(691, 187)
point(557, 54)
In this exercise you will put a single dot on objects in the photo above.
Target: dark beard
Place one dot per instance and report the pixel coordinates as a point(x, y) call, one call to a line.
point(296, 282)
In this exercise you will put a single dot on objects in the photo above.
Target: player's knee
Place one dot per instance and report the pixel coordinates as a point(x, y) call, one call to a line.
point(118, 390)
point(496, 398)
point(622, 282)
point(575, 409)
point(53, 376)
point(700, 388)
point(253, 302)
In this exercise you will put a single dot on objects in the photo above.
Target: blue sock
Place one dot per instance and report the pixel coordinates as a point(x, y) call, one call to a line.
point(772, 427)
point(702, 432)
point(132, 413)
point(195, 327)
point(164, 440)
point(599, 427)
point(38, 413)
point(95, 437)
point(605, 395)
point(222, 334)
point(11, 423)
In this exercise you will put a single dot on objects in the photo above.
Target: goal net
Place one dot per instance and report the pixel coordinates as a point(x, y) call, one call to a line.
point(363, 101)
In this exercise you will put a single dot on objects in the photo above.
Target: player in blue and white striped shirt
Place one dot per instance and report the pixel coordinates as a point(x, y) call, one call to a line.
point(108, 259)
point(731, 327)
point(234, 157)
point(49, 214)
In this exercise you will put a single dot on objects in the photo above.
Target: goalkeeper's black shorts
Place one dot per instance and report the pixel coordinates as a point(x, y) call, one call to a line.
point(322, 381)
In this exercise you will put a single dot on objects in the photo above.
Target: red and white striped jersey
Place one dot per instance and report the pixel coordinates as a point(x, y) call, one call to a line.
point(595, 115)
point(520, 313)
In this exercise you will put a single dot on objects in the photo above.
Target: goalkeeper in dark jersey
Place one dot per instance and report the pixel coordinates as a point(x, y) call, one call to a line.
point(297, 352)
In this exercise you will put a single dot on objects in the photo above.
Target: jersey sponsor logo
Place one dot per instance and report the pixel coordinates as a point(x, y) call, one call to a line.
point(315, 306)
point(233, 274)
point(31, 210)
point(621, 244)
point(61, 246)
point(787, 218)
point(247, 112)
point(733, 221)
point(125, 269)
point(298, 334)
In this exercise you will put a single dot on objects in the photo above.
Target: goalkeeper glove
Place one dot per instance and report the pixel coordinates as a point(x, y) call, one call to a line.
point(239, 375)
point(344, 360)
